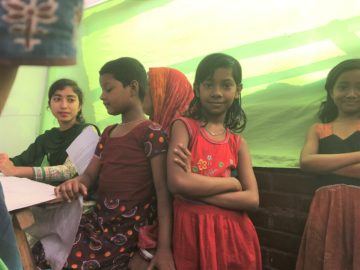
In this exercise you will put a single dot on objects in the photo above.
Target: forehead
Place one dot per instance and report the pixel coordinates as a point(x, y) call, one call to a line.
point(221, 74)
point(348, 76)
point(107, 78)
point(67, 91)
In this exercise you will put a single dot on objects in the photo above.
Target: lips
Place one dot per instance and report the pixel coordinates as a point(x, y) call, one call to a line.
point(64, 114)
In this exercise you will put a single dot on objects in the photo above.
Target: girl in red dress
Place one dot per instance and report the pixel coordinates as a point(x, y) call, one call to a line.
point(129, 166)
point(211, 228)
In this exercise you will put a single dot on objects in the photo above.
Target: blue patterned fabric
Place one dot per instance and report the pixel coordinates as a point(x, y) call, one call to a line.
point(9, 253)
point(39, 32)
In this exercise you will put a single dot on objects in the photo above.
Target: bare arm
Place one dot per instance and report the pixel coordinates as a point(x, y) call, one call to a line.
point(8, 168)
point(7, 77)
point(190, 184)
point(72, 188)
point(311, 161)
point(163, 258)
point(238, 200)
point(349, 171)
point(46, 173)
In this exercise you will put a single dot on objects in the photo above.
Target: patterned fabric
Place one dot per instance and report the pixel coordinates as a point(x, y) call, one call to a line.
point(205, 236)
point(8, 249)
point(55, 173)
point(211, 157)
point(171, 94)
point(39, 32)
point(107, 237)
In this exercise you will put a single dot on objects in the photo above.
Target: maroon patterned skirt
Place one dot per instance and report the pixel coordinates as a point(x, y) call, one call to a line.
point(107, 237)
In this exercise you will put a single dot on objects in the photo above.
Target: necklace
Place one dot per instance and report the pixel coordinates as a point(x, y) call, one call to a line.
point(215, 133)
point(131, 122)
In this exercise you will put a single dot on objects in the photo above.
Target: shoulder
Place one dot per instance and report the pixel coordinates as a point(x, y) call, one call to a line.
point(107, 130)
point(92, 125)
point(236, 138)
point(49, 132)
point(190, 124)
point(321, 130)
point(150, 130)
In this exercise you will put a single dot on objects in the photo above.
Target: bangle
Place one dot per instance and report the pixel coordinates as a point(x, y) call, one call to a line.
point(146, 255)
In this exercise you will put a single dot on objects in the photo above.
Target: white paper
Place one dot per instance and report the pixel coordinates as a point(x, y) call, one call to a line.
point(56, 228)
point(82, 149)
point(23, 192)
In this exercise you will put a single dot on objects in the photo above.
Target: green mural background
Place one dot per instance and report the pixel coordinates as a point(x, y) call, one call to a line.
point(286, 49)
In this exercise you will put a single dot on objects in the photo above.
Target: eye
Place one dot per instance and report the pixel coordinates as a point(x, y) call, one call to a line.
point(208, 84)
point(342, 87)
point(55, 99)
point(227, 85)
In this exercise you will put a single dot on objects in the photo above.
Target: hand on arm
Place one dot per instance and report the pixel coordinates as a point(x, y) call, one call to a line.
point(71, 189)
point(246, 199)
point(185, 182)
point(238, 200)
point(312, 161)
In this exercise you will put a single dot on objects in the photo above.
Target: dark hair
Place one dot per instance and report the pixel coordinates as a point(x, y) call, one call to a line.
point(126, 70)
point(235, 118)
point(328, 110)
point(60, 85)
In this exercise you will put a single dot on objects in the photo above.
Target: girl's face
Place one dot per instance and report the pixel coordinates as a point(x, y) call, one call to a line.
point(217, 93)
point(114, 95)
point(346, 92)
point(65, 106)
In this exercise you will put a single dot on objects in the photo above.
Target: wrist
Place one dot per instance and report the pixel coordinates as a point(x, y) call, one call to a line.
point(146, 254)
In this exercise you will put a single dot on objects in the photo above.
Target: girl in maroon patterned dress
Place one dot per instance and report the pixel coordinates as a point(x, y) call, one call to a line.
point(129, 163)
point(211, 228)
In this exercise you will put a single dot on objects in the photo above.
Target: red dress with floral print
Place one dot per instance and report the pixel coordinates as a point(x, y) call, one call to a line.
point(107, 237)
point(206, 236)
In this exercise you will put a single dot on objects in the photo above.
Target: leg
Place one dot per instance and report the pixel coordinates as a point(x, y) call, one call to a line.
point(7, 77)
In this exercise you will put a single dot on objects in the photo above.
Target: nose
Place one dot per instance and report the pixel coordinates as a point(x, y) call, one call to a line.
point(216, 91)
point(64, 103)
point(352, 93)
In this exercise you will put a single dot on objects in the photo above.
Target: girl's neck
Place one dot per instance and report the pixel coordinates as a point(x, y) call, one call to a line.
point(214, 119)
point(346, 118)
point(133, 116)
point(66, 126)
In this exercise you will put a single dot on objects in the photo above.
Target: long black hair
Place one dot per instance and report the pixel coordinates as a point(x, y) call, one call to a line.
point(328, 110)
point(235, 118)
point(60, 85)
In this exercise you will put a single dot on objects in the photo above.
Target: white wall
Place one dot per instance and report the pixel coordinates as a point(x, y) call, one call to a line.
point(20, 120)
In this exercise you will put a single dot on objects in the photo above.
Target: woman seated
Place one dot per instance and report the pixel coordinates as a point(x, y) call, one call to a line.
point(65, 100)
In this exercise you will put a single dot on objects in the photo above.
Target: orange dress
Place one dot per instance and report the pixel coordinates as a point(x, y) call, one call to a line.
point(206, 236)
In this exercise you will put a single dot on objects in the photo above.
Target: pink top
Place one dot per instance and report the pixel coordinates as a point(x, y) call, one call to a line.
point(211, 157)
